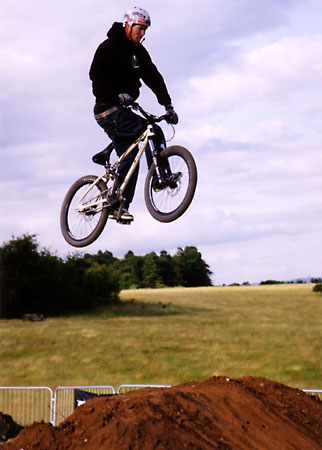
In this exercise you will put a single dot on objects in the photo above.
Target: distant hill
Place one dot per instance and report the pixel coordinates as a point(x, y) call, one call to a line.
point(306, 280)
point(269, 281)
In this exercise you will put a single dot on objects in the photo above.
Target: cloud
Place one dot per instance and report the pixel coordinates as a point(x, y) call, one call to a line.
point(272, 257)
point(270, 73)
point(246, 82)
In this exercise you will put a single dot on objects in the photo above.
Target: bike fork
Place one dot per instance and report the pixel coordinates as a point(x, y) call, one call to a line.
point(154, 153)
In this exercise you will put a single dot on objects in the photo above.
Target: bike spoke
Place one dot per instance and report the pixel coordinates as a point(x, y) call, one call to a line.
point(172, 196)
point(84, 216)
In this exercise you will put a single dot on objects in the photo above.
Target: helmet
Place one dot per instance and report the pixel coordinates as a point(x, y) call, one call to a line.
point(137, 16)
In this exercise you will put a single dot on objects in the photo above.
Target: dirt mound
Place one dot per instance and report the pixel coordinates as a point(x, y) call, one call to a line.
point(8, 427)
point(219, 413)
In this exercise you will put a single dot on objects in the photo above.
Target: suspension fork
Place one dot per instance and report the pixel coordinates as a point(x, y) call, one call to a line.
point(163, 171)
point(154, 153)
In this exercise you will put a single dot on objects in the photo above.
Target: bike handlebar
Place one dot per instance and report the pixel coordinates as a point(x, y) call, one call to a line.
point(150, 117)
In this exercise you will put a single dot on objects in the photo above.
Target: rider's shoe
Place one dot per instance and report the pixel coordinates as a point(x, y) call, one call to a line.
point(125, 215)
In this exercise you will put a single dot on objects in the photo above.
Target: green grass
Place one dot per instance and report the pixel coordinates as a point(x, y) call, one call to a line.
point(173, 335)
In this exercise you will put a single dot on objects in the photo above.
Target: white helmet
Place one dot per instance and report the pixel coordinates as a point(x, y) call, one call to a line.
point(137, 16)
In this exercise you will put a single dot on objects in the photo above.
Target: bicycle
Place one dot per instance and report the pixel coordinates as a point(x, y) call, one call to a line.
point(168, 191)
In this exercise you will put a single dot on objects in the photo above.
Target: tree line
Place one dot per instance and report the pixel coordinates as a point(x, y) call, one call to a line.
point(34, 280)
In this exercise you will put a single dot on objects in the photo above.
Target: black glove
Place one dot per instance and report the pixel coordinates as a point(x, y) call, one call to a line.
point(125, 99)
point(171, 115)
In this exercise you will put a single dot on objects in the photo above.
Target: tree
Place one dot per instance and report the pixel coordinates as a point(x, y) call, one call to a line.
point(318, 288)
point(36, 281)
point(316, 280)
point(167, 269)
point(90, 284)
point(101, 283)
point(263, 283)
point(151, 276)
point(129, 271)
point(20, 273)
point(105, 258)
point(191, 269)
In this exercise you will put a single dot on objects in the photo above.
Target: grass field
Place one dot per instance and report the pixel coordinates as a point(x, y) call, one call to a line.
point(169, 336)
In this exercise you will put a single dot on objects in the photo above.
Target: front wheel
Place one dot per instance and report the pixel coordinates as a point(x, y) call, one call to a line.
point(170, 200)
point(83, 213)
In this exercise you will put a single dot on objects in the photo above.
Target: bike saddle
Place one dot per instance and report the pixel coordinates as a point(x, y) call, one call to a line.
point(103, 157)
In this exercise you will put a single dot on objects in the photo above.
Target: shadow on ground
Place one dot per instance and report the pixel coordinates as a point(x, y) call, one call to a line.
point(134, 308)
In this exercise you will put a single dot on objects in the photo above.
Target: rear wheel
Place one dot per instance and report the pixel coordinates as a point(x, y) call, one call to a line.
point(170, 200)
point(83, 213)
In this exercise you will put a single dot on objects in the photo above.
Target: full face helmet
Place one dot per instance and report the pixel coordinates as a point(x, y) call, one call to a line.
point(137, 16)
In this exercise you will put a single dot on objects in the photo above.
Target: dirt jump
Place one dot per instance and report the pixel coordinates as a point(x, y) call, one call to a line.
point(219, 413)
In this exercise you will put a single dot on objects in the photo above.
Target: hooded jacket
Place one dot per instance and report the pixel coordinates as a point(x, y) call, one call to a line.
point(119, 65)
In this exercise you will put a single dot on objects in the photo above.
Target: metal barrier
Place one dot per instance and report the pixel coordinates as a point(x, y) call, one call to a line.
point(130, 387)
point(27, 404)
point(33, 404)
point(64, 400)
point(315, 392)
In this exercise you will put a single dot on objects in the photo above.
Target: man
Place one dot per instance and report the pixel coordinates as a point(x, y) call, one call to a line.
point(119, 63)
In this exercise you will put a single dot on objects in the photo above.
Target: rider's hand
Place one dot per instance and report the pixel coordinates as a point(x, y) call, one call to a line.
point(125, 99)
point(171, 116)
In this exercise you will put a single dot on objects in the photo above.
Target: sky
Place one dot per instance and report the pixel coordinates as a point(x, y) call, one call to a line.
point(245, 77)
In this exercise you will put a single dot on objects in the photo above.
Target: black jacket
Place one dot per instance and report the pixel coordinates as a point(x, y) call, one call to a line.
point(118, 66)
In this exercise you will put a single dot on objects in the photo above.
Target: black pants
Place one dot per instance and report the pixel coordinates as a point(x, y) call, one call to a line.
point(123, 127)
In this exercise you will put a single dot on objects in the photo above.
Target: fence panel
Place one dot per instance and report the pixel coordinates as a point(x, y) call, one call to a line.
point(27, 405)
point(64, 400)
point(131, 387)
point(33, 404)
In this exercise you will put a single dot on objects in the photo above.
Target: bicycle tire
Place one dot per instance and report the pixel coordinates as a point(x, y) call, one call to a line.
point(169, 203)
point(83, 228)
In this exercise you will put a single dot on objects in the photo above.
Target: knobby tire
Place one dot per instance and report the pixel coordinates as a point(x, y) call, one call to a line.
point(170, 203)
point(83, 228)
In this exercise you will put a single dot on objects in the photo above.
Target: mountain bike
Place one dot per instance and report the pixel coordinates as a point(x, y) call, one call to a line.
point(168, 191)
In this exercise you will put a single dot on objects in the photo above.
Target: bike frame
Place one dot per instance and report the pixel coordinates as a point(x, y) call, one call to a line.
point(145, 139)
point(168, 189)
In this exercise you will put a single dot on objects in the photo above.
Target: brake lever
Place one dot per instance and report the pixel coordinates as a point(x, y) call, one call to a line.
point(147, 115)
point(160, 118)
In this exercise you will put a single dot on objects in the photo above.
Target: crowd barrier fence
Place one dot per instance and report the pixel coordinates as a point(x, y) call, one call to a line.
point(27, 405)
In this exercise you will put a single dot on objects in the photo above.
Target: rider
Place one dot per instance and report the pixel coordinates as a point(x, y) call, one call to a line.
point(119, 63)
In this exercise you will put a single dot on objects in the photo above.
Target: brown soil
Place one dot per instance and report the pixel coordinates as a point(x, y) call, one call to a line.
point(219, 413)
